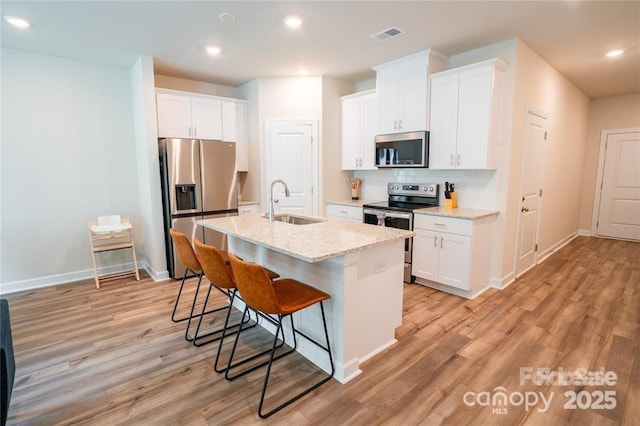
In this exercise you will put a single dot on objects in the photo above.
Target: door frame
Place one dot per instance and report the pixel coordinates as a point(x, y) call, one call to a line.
point(604, 136)
point(544, 114)
point(315, 159)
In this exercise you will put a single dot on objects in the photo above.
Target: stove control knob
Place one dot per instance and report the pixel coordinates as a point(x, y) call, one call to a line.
point(396, 187)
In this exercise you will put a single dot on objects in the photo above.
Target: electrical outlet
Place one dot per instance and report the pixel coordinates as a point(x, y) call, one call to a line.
point(378, 267)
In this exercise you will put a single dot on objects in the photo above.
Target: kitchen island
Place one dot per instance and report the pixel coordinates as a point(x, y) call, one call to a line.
point(361, 266)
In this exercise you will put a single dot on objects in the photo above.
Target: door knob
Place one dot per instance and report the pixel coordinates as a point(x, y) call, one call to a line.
point(524, 209)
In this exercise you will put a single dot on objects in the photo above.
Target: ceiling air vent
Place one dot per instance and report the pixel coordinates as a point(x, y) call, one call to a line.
point(387, 34)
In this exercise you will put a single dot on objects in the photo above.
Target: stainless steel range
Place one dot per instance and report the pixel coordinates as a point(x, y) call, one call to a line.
point(397, 212)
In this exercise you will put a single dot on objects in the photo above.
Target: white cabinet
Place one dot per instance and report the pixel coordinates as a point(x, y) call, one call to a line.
point(190, 115)
point(465, 115)
point(359, 127)
point(403, 91)
point(452, 254)
point(182, 116)
point(234, 129)
point(247, 209)
point(345, 213)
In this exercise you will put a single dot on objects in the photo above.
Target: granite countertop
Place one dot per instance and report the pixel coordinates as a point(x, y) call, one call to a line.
point(352, 203)
point(460, 213)
point(312, 242)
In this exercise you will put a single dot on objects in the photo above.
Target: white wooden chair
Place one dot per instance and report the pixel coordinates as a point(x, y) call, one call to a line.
point(110, 233)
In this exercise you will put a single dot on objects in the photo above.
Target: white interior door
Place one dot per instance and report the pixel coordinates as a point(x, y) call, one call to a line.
point(530, 190)
point(291, 156)
point(619, 213)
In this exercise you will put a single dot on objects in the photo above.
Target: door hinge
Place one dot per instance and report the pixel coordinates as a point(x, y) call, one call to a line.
point(536, 248)
point(545, 135)
point(541, 192)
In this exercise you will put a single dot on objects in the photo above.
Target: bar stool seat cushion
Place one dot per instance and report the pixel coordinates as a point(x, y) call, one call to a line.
point(285, 296)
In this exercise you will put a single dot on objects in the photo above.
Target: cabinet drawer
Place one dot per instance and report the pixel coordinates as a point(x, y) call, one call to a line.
point(443, 224)
point(344, 212)
point(249, 209)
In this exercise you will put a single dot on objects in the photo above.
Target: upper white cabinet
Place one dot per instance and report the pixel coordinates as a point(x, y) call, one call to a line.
point(234, 129)
point(359, 127)
point(465, 115)
point(402, 86)
point(189, 116)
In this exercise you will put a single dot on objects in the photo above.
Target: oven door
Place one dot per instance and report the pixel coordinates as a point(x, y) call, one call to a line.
point(392, 219)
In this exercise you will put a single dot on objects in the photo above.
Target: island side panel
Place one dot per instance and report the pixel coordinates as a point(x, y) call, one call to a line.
point(365, 305)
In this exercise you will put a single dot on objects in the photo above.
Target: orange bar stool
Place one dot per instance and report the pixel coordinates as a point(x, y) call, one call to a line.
point(217, 269)
point(282, 298)
point(185, 252)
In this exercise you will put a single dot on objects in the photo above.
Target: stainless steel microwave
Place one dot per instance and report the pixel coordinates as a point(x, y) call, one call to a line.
point(410, 149)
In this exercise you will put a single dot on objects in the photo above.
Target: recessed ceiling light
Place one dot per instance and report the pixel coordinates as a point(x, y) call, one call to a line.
point(226, 16)
point(302, 71)
point(213, 50)
point(293, 22)
point(614, 53)
point(17, 22)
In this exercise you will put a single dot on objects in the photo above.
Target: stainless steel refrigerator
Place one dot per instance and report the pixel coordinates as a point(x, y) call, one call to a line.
point(198, 182)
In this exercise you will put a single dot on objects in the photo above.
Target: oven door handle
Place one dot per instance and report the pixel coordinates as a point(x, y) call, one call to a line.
point(389, 213)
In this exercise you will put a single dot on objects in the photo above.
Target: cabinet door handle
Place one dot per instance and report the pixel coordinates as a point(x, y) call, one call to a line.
point(344, 212)
point(451, 160)
point(441, 241)
point(435, 241)
point(399, 124)
point(395, 124)
point(439, 224)
point(458, 160)
point(195, 131)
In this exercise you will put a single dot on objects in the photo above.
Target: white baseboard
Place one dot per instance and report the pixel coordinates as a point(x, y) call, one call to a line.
point(545, 255)
point(51, 280)
point(585, 233)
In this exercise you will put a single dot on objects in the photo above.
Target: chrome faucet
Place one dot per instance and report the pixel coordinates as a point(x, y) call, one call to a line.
point(270, 214)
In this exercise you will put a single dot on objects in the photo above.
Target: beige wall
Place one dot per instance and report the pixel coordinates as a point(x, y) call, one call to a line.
point(175, 83)
point(540, 86)
point(616, 112)
point(334, 180)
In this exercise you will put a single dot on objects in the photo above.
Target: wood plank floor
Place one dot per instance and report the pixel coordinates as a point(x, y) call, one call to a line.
point(113, 356)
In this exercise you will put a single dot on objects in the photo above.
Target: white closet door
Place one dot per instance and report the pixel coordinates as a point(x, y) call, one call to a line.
point(620, 198)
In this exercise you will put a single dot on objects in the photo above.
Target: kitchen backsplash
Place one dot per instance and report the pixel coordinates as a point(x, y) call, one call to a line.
point(476, 188)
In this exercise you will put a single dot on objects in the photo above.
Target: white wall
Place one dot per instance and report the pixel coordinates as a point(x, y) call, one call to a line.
point(68, 156)
point(277, 98)
point(148, 164)
point(616, 112)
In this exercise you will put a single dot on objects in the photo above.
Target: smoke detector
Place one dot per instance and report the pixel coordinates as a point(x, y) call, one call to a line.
point(387, 34)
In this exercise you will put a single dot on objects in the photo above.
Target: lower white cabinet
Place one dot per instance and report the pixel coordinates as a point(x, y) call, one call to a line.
point(442, 257)
point(245, 209)
point(452, 254)
point(345, 213)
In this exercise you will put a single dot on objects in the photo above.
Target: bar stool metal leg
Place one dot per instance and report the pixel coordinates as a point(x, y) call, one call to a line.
point(231, 364)
point(272, 358)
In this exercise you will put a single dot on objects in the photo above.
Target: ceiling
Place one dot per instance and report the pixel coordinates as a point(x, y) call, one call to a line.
point(334, 39)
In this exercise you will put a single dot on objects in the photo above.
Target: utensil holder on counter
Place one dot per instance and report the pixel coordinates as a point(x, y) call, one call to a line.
point(451, 203)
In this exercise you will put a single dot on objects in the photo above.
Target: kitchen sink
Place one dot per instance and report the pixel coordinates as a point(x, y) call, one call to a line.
point(295, 219)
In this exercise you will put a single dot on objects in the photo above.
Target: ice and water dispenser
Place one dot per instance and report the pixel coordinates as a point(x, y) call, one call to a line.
point(186, 197)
